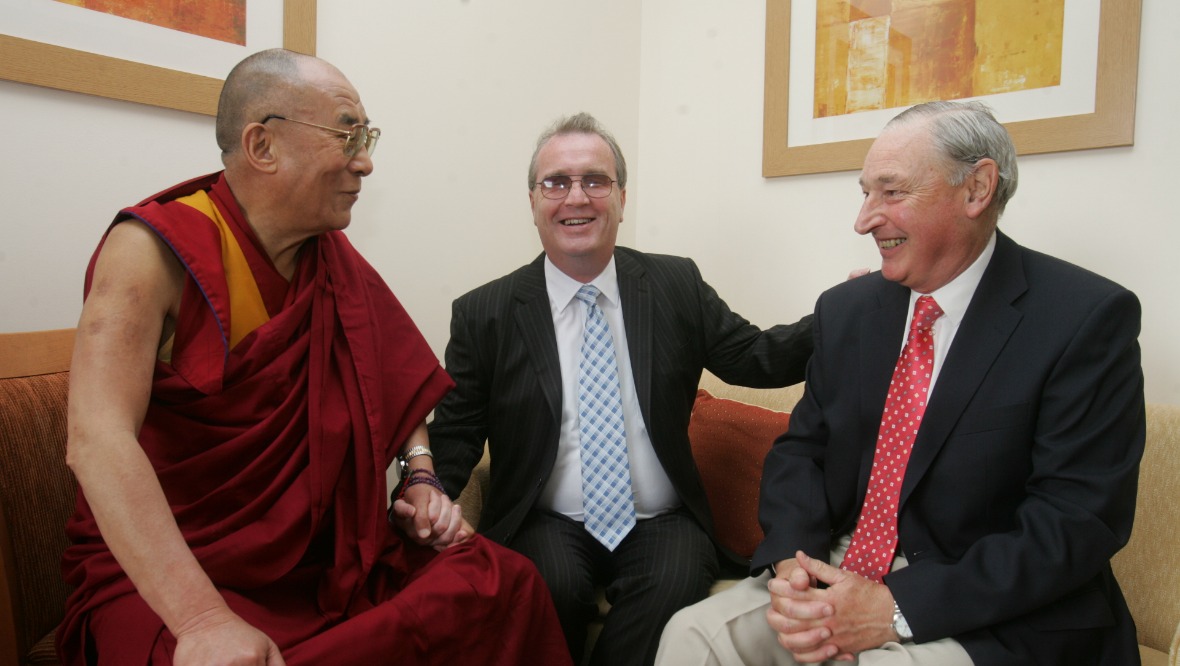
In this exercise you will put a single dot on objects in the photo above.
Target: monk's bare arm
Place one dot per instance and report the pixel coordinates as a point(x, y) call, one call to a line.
point(136, 288)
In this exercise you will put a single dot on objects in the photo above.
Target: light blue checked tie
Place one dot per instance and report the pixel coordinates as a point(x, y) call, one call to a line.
point(606, 474)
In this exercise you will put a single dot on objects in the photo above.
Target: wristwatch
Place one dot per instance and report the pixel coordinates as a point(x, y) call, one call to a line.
point(901, 626)
point(404, 459)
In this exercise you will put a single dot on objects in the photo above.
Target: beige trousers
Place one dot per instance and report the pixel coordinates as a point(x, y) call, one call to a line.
point(730, 629)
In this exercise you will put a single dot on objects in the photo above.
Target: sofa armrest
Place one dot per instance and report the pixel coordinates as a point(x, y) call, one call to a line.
point(471, 499)
point(1174, 652)
point(1148, 568)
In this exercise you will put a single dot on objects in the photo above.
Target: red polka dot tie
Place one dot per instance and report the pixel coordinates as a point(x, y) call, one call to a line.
point(873, 542)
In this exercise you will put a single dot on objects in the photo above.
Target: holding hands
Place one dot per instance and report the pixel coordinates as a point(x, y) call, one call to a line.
point(429, 517)
point(422, 509)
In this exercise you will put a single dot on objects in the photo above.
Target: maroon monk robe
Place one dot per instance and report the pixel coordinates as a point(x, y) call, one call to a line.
point(272, 455)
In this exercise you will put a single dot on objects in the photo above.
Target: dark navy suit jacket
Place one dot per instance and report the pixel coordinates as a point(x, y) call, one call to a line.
point(1022, 481)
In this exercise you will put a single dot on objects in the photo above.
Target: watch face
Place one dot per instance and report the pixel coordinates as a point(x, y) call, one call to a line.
point(900, 626)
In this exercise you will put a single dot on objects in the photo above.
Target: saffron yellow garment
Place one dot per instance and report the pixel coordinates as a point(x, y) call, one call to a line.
point(247, 311)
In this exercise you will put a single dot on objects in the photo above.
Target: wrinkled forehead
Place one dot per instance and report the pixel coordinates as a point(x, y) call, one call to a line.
point(900, 151)
point(576, 153)
point(332, 93)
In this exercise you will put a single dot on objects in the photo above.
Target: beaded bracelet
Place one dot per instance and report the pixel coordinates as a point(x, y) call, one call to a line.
point(419, 476)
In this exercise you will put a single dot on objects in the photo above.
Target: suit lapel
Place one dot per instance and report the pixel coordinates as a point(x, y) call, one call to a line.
point(534, 322)
point(986, 328)
point(637, 320)
point(881, 334)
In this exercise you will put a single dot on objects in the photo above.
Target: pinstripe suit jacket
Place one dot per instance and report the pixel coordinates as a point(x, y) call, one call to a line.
point(503, 357)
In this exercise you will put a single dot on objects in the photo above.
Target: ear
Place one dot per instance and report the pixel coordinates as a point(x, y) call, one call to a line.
point(980, 186)
point(258, 147)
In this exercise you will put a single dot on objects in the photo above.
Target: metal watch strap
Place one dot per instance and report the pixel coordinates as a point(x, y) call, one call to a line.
point(416, 451)
point(901, 626)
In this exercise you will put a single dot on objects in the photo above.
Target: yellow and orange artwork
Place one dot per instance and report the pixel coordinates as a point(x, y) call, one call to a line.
point(884, 54)
point(223, 20)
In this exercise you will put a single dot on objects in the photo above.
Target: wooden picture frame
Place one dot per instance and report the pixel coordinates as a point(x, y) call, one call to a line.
point(1111, 124)
point(27, 61)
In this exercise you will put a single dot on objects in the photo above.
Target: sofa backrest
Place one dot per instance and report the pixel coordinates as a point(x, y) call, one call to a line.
point(779, 399)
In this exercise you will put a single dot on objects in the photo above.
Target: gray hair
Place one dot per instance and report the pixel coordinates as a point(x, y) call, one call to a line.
point(966, 132)
point(580, 123)
point(259, 84)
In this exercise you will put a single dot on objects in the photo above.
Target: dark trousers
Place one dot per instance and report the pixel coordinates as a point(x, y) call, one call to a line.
point(664, 564)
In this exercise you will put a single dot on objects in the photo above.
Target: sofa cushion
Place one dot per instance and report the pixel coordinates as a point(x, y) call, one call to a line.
point(730, 440)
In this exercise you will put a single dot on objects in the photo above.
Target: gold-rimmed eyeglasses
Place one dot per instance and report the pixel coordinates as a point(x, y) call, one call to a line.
point(356, 138)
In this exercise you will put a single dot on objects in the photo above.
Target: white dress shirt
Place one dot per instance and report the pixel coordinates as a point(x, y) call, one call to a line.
point(650, 485)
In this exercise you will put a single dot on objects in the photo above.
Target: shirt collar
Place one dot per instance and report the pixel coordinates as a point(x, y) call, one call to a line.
point(955, 296)
point(562, 288)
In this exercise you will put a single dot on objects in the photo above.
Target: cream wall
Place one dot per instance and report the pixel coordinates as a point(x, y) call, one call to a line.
point(770, 246)
point(461, 89)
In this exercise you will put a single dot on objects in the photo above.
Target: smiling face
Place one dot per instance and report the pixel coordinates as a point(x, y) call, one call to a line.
point(323, 182)
point(577, 232)
point(927, 231)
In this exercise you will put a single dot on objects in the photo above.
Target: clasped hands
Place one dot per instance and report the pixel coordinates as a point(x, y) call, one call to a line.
point(851, 615)
point(430, 518)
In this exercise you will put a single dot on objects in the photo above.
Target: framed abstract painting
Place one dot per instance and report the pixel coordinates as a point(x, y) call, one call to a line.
point(1060, 74)
point(147, 51)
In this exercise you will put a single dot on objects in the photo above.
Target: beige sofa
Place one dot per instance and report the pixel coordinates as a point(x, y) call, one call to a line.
point(37, 494)
point(734, 422)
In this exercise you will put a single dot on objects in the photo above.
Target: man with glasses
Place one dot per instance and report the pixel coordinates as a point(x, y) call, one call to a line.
point(579, 370)
point(242, 380)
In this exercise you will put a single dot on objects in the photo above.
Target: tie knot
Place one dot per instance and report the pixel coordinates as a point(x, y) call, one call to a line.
point(588, 294)
point(925, 312)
